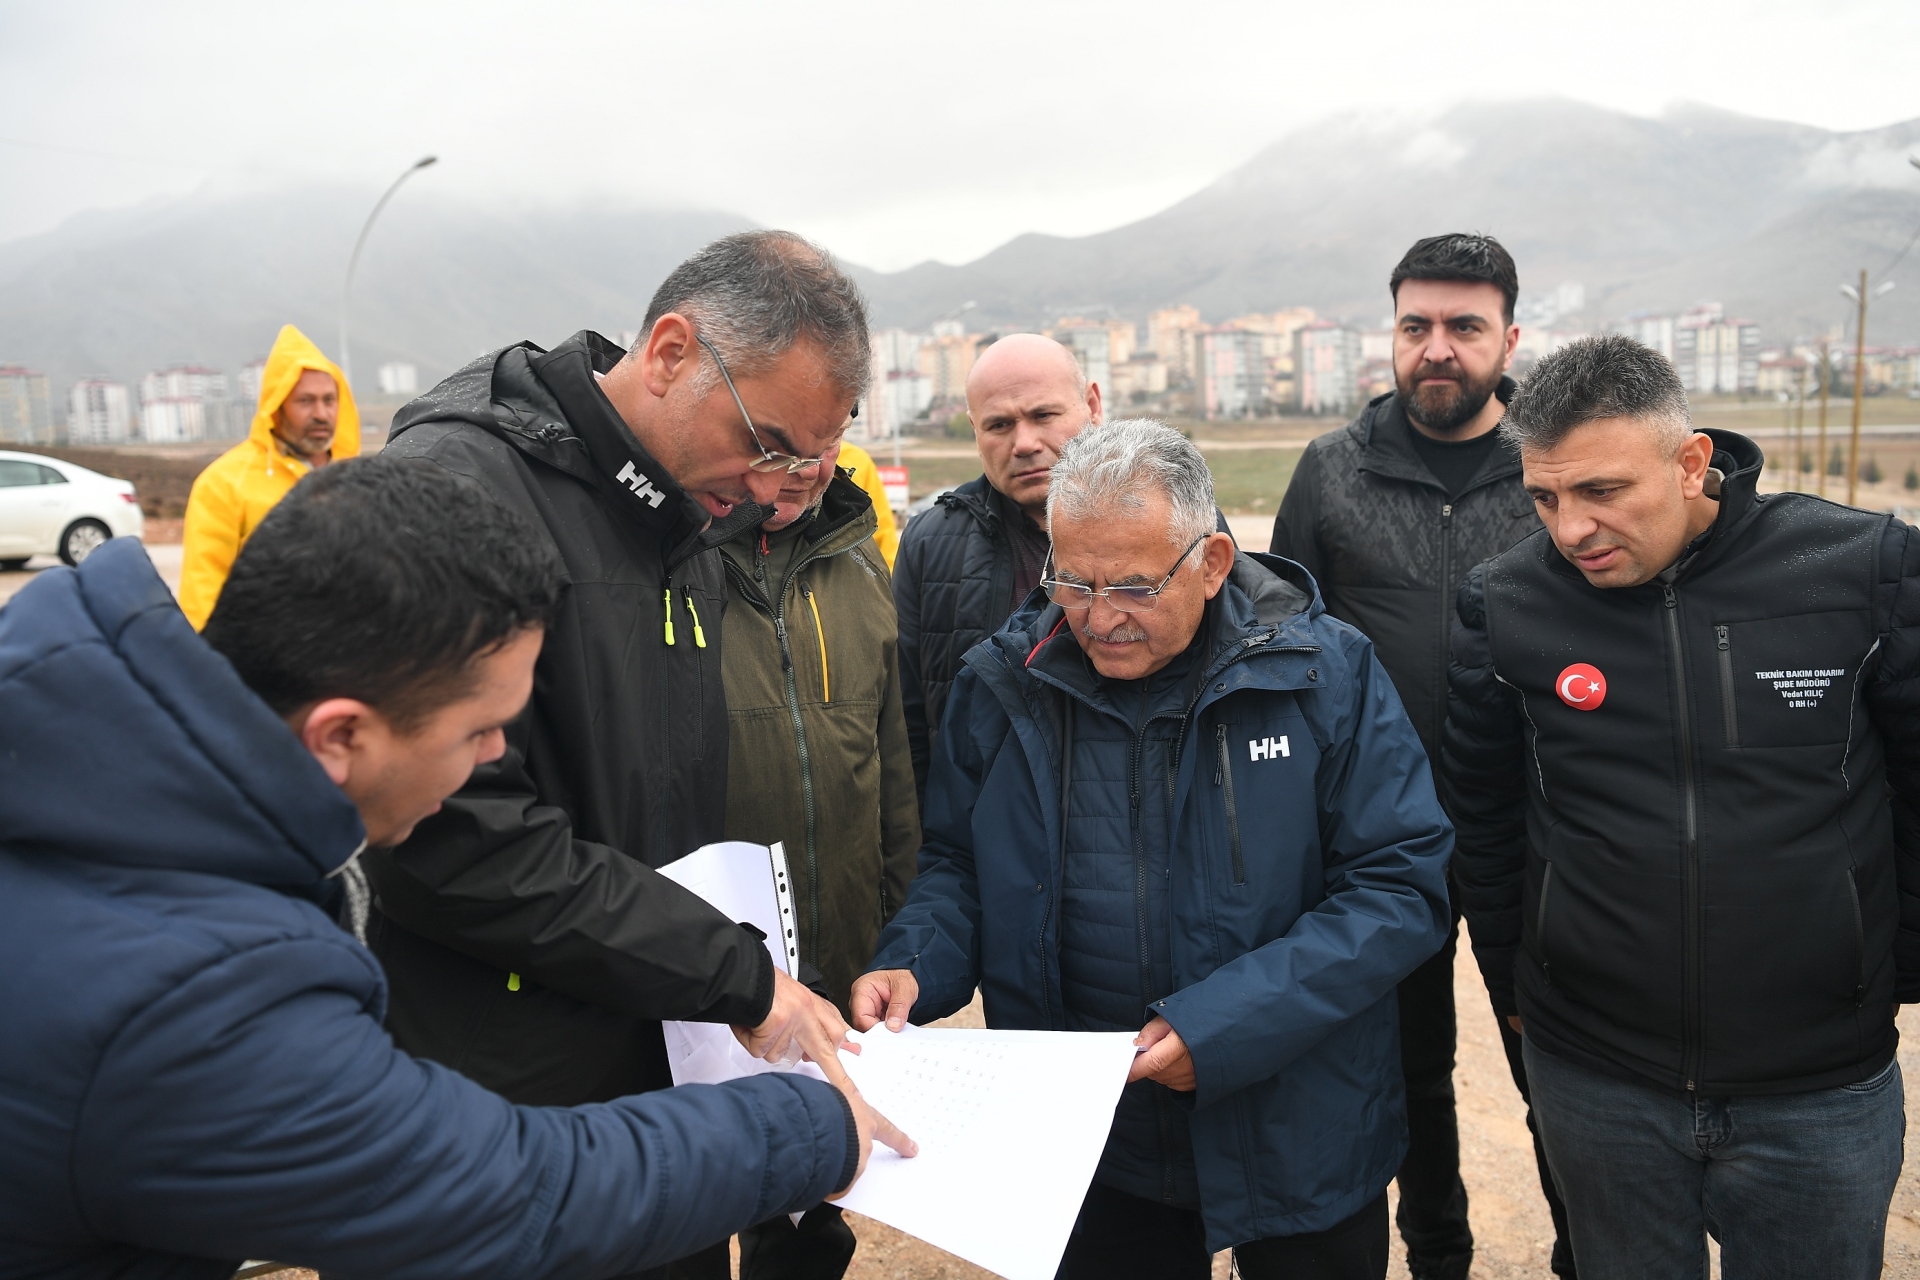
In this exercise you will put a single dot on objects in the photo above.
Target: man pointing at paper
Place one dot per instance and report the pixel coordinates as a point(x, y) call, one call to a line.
point(1174, 796)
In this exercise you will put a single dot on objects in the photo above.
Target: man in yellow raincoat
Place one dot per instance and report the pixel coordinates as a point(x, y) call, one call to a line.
point(305, 419)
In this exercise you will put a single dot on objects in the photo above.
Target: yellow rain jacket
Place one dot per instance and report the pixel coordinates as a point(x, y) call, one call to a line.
point(865, 474)
point(234, 494)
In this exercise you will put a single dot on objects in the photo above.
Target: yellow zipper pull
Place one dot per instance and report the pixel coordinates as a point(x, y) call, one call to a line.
point(513, 982)
point(826, 690)
point(669, 613)
point(699, 636)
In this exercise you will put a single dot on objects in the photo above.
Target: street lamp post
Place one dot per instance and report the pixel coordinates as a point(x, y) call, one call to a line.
point(346, 290)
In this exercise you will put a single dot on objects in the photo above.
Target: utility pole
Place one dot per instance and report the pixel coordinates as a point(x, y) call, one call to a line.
point(1859, 389)
point(1820, 467)
point(1860, 366)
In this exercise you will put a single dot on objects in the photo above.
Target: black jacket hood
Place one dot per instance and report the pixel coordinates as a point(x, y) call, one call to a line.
point(547, 404)
point(101, 678)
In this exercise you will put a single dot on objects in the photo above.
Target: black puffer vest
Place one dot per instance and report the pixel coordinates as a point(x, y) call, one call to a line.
point(951, 586)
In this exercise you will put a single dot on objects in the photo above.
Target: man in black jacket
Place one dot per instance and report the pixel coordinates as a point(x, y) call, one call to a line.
point(1681, 752)
point(1388, 515)
point(967, 564)
point(529, 943)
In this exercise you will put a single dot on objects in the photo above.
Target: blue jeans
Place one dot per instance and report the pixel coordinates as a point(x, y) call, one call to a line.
point(1791, 1185)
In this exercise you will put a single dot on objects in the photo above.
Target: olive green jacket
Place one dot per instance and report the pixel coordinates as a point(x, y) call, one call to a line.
point(818, 755)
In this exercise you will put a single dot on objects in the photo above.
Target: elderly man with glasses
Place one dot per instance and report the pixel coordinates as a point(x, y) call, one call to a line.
point(1174, 796)
point(529, 943)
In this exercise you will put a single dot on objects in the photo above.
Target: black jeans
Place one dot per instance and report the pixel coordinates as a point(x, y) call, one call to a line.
point(1562, 1261)
point(1433, 1201)
point(820, 1248)
point(1122, 1237)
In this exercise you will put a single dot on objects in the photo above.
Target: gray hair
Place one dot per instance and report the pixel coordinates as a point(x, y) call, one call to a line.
point(1119, 466)
point(754, 294)
point(1610, 376)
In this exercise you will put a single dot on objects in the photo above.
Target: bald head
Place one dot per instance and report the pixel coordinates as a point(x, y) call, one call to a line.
point(1027, 396)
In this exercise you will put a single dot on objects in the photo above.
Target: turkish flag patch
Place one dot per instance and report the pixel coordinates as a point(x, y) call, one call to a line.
point(1581, 687)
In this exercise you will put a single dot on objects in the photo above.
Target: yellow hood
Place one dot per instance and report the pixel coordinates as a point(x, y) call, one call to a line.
point(293, 354)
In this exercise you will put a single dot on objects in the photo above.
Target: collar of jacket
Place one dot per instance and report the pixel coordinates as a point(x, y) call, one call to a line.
point(975, 497)
point(1260, 629)
point(1385, 450)
point(1739, 461)
point(635, 484)
point(845, 520)
point(547, 405)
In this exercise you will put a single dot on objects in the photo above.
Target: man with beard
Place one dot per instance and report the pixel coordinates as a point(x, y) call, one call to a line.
point(1389, 515)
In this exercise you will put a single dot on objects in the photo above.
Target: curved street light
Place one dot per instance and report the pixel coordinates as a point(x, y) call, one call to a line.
point(346, 290)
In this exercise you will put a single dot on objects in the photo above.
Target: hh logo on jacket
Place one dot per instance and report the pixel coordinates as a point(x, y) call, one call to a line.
point(1271, 749)
point(642, 487)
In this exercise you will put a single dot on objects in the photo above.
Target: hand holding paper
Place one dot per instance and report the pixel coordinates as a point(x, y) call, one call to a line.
point(884, 993)
point(1163, 1057)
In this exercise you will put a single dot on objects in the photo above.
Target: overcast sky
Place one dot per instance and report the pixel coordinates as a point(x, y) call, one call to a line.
point(892, 132)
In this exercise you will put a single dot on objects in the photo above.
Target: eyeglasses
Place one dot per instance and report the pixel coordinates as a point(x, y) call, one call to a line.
point(1071, 595)
point(769, 461)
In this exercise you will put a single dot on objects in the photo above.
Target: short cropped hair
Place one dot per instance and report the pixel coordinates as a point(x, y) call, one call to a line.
point(1464, 256)
point(754, 294)
point(384, 580)
point(1116, 467)
point(1609, 376)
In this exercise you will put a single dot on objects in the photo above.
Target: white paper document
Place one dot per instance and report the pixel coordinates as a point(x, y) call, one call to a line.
point(1010, 1125)
point(748, 883)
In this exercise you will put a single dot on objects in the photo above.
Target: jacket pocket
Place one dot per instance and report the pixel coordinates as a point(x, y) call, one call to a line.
point(1223, 777)
point(1732, 717)
point(1792, 678)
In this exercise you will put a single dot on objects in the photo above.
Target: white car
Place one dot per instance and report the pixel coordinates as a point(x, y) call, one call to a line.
point(50, 507)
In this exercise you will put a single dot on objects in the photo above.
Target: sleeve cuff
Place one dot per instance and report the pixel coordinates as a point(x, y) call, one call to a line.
point(852, 1164)
point(763, 989)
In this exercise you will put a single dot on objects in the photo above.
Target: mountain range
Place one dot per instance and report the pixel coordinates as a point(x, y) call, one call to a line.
point(1696, 204)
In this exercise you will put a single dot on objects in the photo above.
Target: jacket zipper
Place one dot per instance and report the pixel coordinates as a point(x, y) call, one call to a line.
point(1223, 778)
point(1540, 924)
point(1726, 685)
point(1446, 611)
point(1693, 1021)
point(1139, 864)
point(778, 610)
point(1057, 897)
point(820, 632)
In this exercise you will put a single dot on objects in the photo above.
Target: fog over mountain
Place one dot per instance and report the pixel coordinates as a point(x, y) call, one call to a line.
point(1767, 217)
point(211, 279)
point(1697, 204)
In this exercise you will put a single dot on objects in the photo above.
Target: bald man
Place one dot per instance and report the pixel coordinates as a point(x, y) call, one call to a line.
point(966, 564)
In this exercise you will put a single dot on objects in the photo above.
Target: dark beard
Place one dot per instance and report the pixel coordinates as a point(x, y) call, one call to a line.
point(1443, 410)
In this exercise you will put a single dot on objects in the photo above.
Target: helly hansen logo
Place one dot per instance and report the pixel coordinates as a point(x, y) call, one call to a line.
point(641, 486)
point(1271, 749)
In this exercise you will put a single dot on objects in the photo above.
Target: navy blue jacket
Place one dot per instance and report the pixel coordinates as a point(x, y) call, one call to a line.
point(1309, 859)
point(192, 1066)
